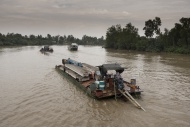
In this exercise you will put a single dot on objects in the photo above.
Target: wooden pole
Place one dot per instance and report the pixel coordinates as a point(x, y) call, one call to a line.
point(132, 100)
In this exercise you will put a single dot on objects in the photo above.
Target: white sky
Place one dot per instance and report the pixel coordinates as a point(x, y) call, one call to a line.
point(86, 17)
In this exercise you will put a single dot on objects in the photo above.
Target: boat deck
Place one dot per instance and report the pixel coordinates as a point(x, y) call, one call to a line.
point(79, 70)
point(87, 83)
point(90, 67)
point(131, 90)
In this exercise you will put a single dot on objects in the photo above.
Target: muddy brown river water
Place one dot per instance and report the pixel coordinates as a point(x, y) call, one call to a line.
point(34, 94)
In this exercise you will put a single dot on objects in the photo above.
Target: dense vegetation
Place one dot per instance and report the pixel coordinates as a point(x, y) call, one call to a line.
point(17, 39)
point(175, 40)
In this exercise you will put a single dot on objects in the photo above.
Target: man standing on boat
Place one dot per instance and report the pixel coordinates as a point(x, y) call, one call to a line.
point(119, 81)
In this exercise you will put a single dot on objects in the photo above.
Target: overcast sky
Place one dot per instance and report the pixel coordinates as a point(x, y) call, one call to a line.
point(86, 17)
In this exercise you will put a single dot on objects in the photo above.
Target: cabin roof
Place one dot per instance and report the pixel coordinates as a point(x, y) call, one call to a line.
point(116, 67)
point(74, 44)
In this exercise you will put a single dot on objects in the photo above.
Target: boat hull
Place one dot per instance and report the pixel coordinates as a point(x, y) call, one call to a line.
point(86, 86)
point(46, 50)
point(73, 48)
point(74, 81)
point(99, 94)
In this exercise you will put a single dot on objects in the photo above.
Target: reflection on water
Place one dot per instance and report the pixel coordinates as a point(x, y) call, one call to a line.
point(32, 93)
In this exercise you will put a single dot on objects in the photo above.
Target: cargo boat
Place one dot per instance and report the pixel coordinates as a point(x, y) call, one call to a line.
point(101, 81)
point(46, 49)
point(73, 47)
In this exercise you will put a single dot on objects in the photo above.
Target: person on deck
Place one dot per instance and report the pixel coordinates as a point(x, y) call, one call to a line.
point(119, 81)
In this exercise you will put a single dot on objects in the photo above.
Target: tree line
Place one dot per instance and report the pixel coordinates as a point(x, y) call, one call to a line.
point(14, 39)
point(175, 40)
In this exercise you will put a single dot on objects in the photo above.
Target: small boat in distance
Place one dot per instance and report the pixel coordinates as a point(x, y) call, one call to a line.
point(100, 81)
point(46, 49)
point(73, 47)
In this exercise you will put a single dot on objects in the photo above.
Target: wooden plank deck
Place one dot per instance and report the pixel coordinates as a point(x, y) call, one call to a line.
point(90, 67)
point(87, 83)
point(79, 70)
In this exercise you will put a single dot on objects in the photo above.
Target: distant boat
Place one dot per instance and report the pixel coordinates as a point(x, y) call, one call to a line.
point(46, 49)
point(73, 47)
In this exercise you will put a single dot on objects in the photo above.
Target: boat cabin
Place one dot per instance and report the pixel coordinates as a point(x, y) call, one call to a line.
point(46, 48)
point(73, 47)
point(105, 69)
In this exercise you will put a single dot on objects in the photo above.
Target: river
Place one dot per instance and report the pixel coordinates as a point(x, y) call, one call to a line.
point(34, 94)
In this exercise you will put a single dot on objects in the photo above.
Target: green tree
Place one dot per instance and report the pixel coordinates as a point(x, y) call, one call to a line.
point(185, 31)
point(131, 35)
point(112, 36)
point(152, 26)
point(122, 38)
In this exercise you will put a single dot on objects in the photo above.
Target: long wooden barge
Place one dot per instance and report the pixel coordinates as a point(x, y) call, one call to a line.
point(101, 81)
